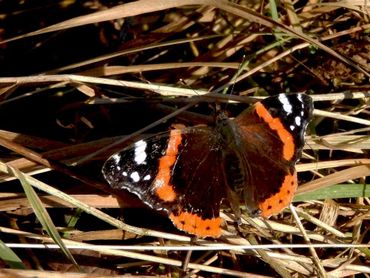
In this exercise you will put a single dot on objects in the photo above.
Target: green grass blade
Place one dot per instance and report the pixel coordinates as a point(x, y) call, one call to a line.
point(9, 257)
point(336, 191)
point(273, 10)
point(42, 214)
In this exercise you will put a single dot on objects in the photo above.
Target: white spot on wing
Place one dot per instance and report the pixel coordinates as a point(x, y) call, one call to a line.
point(147, 177)
point(298, 121)
point(135, 176)
point(116, 158)
point(140, 154)
point(292, 127)
point(286, 104)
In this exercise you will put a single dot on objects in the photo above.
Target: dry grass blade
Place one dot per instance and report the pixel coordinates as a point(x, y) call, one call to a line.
point(31, 141)
point(161, 89)
point(120, 11)
point(320, 224)
point(320, 269)
point(331, 164)
point(157, 88)
point(341, 117)
point(36, 157)
point(136, 255)
point(338, 177)
point(115, 70)
point(46, 274)
point(15, 202)
point(349, 143)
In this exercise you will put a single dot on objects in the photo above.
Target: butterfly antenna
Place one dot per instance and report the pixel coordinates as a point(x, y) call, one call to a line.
point(241, 67)
point(217, 108)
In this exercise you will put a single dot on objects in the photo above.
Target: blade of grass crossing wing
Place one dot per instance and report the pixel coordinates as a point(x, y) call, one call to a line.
point(42, 215)
point(9, 257)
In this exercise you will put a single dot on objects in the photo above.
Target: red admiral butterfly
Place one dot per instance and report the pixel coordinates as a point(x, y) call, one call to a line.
point(188, 172)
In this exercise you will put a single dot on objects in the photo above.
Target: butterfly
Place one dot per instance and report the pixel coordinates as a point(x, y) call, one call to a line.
point(189, 172)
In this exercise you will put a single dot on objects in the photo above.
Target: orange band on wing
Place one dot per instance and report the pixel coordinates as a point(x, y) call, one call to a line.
point(194, 224)
point(282, 199)
point(276, 124)
point(162, 186)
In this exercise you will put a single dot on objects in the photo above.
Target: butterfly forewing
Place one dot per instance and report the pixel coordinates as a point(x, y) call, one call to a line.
point(179, 172)
point(133, 168)
point(272, 139)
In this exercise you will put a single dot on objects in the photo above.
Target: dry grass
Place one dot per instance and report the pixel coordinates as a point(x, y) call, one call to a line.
point(99, 75)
